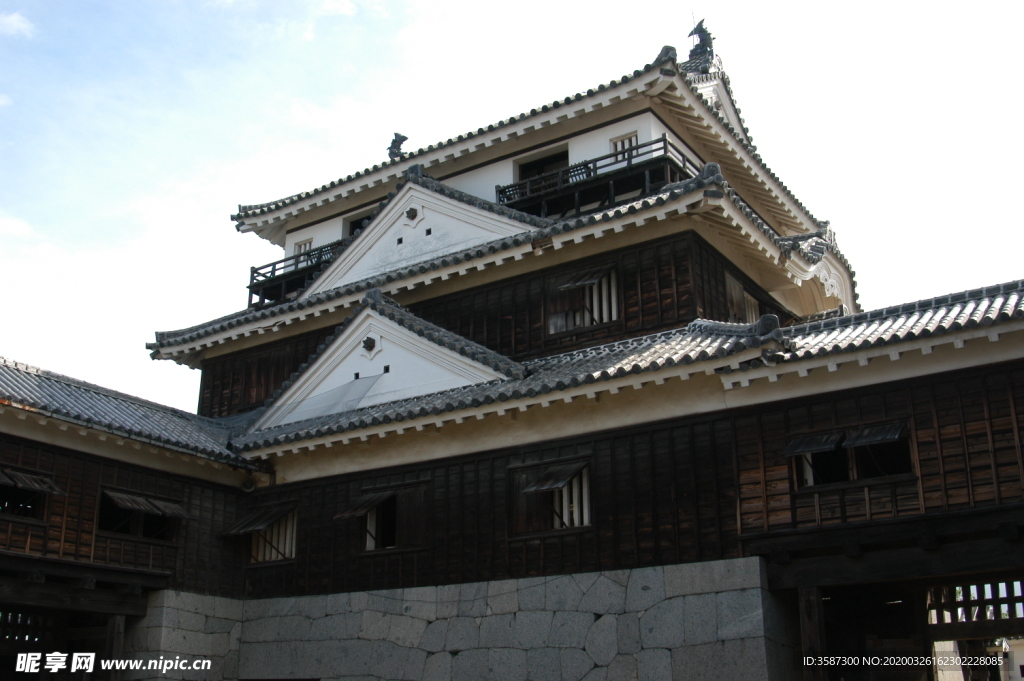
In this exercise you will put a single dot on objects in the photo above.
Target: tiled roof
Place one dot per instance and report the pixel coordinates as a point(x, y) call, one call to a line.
point(377, 302)
point(710, 175)
point(130, 417)
point(699, 341)
point(667, 55)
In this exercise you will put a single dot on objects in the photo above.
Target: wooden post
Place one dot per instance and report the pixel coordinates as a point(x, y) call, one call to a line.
point(114, 649)
point(812, 631)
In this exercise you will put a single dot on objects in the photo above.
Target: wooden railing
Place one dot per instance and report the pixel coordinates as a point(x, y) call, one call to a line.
point(294, 263)
point(592, 168)
point(888, 497)
point(34, 538)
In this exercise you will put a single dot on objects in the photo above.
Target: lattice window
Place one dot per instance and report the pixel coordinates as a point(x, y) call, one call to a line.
point(552, 498)
point(588, 298)
point(622, 146)
point(275, 542)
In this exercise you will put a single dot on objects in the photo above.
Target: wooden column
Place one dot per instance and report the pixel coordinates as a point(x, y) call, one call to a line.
point(812, 631)
point(114, 650)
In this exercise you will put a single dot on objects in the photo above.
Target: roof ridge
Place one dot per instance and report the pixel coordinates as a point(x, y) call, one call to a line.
point(260, 208)
point(710, 175)
point(109, 392)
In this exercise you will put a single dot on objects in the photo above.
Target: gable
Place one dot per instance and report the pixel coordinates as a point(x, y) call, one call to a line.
point(416, 225)
point(373, 361)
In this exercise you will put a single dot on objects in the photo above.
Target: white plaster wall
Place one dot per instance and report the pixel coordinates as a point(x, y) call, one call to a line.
point(481, 181)
point(322, 233)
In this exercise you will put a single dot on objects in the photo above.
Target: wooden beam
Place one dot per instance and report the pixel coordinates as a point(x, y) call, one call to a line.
point(29, 564)
point(67, 597)
point(963, 631)
point(812, 631)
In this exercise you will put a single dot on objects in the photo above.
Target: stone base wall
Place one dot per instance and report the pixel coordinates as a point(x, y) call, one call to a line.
point(710, 620)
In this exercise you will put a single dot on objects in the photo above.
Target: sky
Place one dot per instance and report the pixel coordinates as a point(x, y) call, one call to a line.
point(130, 132)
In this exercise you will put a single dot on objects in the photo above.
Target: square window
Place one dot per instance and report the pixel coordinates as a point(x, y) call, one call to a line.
point(551, 498)
point(24, 494)
point(276, 541)
point(855, 454)
point(623, 146)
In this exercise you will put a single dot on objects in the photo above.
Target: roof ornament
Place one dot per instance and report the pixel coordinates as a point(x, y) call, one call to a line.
point(703, 49)
point(395, 150)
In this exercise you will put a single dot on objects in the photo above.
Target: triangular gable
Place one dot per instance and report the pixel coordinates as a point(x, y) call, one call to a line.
point(373, 360)
point(415, 225)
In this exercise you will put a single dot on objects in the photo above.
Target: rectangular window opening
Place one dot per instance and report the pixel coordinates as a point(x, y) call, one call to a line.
point(392, 518)
point(585, 299)
point(854, 454)
point(276, 541)
point(553, 498)
point(622, 146)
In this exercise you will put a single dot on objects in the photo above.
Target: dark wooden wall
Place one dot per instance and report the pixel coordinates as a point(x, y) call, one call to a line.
point(965, 437)
point(663, 284)
point(198, 559)
point(242, 381)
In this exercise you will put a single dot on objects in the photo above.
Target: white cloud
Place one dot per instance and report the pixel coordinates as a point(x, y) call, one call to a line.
point(5, 101)
point(13, 227)
point(345, 7)
point(15, 24)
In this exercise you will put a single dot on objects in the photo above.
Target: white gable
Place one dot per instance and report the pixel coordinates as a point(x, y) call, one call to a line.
point(352, 373)
point(416, 225)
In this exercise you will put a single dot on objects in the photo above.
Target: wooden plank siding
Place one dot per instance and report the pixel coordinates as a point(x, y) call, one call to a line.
point(242, 381)
point(674, 492)
point(662, 285)
point(197, 558)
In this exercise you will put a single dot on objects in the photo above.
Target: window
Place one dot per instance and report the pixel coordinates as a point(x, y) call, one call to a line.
point(24, 494)
point(854, 454)
point(583, 299)
point(300, 248)
point(543, 166)
point(552, 498)
point(622, 146)
point(272, 530)
point(139, 516)
point(393, 518)
point(743, 307)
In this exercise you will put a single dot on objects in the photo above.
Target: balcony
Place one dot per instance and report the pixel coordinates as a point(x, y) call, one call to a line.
point(284, 279)
point(601, 182)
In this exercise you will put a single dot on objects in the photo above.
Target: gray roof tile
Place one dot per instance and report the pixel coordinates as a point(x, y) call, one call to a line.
point(130, 417)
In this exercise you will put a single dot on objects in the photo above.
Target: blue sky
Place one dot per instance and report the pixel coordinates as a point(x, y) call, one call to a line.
point(130, 131)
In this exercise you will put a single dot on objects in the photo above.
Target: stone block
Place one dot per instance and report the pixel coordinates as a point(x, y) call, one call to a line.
point(602, 640)
point(714, 576)
point(186, 643)
point(421, 602)
point(338, 604)
point(663, 626)
point(646, 588)
point(507, 664)
point(502, 596)
point(448, 597)
point(473, 600)
point(162, 617)
point(336, 627)
point(701, 619)
point(531, 593)
point(740, 614)
point(532, 628)
point(191, 621)
point(628, 633)
point(374, 625)
point(471, 665)
point(543, 664)
point(406, 631)
point(604, 596)
point(498, 631)
point(228, 608)
point(737, 659)
point(438, 667)
point(654, 664)
point(434, 637)
point(623, 668)
point(562, 593)
point(389, 601)
point(220, 644)
point(388, 660)
point(620, 577)
point(270, 607)
point(216, 625)
point(585, 580)
point(569, 629)
point(575, 664)
point(229, 667)
point(358, 600)
point(463, 634)
point(313, 607)
point(597, 674)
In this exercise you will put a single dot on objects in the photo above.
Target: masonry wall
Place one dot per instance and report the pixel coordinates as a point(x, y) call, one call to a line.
point(710, 620)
